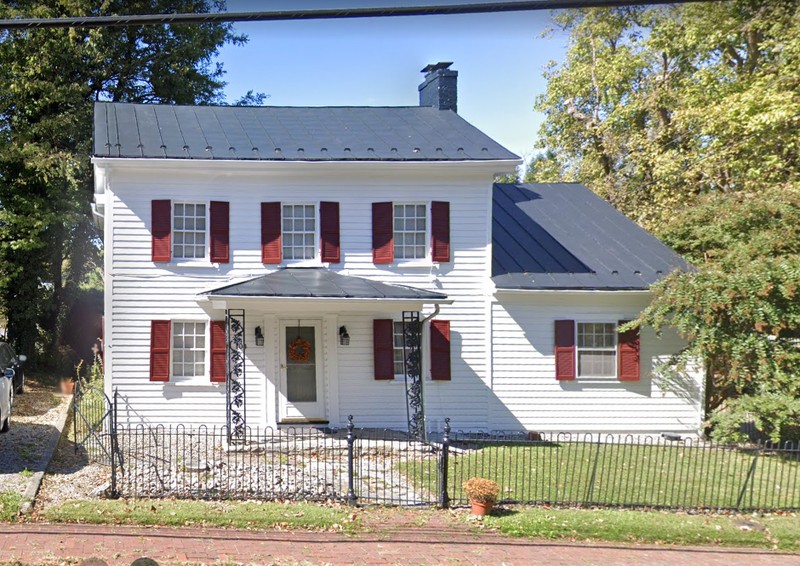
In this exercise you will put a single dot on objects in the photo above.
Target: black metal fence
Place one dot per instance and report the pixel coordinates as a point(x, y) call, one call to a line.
point(388, 467)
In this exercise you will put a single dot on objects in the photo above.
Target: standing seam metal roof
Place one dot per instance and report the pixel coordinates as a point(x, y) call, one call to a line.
point(563, 236)
point(273, 133)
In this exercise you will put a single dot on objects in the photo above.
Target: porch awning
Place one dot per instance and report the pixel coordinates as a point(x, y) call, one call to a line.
point(320, 283)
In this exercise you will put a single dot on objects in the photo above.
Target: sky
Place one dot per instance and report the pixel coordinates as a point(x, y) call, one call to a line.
point(500, 59)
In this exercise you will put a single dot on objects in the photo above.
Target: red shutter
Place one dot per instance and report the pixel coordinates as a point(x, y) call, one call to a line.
point(159, 350)
point(440, 350)
point(220, 232)
point(271, 232)
point(161, 218)
point(440, 231)
point(329, 231)
point(628, 354)
point(565, 350)
point(383, 348)
point(218, 352)
point(382, 232)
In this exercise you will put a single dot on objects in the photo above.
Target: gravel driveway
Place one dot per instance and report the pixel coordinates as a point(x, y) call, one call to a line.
point(33, 423)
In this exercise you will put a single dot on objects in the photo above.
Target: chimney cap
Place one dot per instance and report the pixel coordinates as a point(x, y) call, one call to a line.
point(436, 66)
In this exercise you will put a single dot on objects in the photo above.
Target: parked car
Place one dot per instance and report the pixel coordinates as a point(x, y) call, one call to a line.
point(6, 398)
point(9, 359)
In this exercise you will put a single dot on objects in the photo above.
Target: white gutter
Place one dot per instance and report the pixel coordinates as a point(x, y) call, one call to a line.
point(573, 291)
point(330, 299)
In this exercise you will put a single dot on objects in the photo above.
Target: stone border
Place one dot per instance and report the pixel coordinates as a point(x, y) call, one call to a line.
point(29, 497)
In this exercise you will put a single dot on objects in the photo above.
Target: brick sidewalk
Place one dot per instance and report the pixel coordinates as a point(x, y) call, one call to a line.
point(117, 545)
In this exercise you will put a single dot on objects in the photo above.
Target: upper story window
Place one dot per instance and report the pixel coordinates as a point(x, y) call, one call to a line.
point(597, 349)
point(189, 230)
point(410, 231)
point(188, 349)
point(299, 231)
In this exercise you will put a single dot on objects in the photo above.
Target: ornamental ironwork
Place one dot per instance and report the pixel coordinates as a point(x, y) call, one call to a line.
point(235, 395)
point(412, 364)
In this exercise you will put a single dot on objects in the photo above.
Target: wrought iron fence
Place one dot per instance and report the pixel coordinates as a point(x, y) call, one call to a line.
point(390, 467)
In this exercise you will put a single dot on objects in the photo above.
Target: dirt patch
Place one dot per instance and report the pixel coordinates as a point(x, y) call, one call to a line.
point(34, 421)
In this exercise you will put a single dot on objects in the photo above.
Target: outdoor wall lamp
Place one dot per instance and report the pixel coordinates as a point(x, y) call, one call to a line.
point(344, 337)
point(259, 336)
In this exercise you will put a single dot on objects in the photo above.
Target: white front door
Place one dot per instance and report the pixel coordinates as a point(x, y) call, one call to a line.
point(302, 391)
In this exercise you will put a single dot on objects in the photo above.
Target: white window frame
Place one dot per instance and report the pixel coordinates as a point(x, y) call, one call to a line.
point(614, 349)
point(317, 259)
point(205, 377)
point(426, 259)
point(205, 259)
point(397, 376)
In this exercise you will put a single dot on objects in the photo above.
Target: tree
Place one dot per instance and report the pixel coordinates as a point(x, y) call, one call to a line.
point(49, 79)
point(686, 118)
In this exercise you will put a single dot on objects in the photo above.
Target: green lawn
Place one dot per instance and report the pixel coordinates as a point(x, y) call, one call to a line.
point(676, 476)
point(9, 505)
point(766, 531)
point(241, 515)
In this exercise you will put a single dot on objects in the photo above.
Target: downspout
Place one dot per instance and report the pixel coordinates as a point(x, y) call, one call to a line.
point(436, 310)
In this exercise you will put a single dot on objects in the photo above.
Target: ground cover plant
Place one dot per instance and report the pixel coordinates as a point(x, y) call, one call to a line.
point(681, 475)
point(781, 531)
point(9, 505)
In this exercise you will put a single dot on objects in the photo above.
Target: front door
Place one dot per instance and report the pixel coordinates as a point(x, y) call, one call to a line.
point(302, 392)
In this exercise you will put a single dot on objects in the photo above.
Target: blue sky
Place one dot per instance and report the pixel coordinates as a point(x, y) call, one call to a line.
point(377, 62)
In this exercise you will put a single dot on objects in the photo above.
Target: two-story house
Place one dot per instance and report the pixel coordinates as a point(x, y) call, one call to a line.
point(285, 265)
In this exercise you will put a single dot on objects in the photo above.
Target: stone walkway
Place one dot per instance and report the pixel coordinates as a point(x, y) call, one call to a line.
point(35, 543)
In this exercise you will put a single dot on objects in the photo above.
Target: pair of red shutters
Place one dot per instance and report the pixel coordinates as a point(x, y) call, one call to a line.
point(383, 349)
point(383, 335)
point(160, 338)
point(627, 352)
point(271, 247)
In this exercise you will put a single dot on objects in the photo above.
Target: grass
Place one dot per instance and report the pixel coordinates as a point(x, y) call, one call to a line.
point(765, 531)
point(617, 474)
point(178, 513)
point(9, 505)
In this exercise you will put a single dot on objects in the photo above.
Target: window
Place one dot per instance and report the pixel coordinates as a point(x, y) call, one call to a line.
point(410, 231)
point(188, 349)
point(399, 356)
point(299, 229)
point(597, 349)
point(189, 231)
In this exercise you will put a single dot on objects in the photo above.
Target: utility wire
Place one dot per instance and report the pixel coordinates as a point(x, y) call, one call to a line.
point(319, 14)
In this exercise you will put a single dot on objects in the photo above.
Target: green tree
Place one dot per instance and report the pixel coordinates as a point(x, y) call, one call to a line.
point(686, 118)
point(49, 79)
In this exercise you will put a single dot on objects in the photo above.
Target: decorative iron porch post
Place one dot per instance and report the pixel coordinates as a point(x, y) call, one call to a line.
point(412, 363)
point(235, 395)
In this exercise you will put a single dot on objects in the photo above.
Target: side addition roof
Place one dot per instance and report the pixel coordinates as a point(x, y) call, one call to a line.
point(289, 133)
point(563, 236)
point(318, 282)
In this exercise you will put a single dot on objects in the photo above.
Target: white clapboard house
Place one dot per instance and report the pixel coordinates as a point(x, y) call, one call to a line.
point(267, 266)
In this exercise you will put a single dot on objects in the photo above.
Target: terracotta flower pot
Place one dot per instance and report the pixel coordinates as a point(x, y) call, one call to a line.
point(480, 508)
point(67, 386)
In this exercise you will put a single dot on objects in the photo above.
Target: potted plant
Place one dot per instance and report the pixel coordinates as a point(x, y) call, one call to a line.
point(482, 494)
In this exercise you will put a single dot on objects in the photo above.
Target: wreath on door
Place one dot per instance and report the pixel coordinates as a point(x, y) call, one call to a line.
point(300, 350)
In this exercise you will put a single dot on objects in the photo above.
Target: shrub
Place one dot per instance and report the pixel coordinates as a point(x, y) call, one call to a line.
point(481, 490)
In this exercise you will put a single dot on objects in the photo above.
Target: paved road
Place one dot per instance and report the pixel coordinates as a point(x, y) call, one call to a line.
point(32, 543)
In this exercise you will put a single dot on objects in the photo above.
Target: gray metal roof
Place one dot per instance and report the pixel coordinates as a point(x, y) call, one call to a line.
point(318, 282)
point(563, 236)
point(289, 133)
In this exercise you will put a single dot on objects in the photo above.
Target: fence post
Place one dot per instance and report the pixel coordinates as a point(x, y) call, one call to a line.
point(444, 498)
point(351, 439)
point(75, 396)
point(113, 431)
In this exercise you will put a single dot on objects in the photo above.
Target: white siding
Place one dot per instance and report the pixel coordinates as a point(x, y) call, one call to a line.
point(528, 396)
point(141, 291)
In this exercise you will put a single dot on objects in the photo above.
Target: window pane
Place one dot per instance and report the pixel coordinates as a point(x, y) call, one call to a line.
point(189, 231)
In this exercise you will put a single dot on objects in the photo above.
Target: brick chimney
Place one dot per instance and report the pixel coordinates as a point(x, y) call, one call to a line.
point(439, 87)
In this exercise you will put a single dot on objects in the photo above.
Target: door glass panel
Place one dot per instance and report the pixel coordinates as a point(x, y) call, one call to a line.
point(301, 366)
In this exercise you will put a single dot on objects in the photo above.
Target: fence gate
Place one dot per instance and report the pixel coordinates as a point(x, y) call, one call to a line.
point(93, 421)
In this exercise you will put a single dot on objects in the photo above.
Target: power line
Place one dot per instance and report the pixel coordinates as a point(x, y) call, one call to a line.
point(320, 14)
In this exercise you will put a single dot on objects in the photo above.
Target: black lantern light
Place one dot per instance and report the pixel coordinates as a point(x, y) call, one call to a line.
point(344, 337)
point(259, 336)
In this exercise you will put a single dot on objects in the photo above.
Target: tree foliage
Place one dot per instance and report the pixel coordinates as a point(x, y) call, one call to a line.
point(49, 79)
point(686, 118)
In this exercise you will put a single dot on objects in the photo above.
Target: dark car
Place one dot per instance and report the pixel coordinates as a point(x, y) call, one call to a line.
point(9, 359)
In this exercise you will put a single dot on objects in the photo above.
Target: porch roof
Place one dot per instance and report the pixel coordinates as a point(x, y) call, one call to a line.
point(320, 283)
